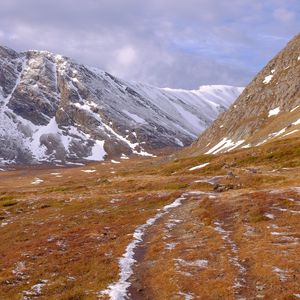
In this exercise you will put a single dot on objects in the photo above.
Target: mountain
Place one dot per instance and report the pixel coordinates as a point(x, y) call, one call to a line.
point(268, 108)
point(53, 109)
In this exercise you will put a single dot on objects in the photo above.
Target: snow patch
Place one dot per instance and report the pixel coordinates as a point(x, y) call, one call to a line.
point(200, 263)
point(115, 161)
point(37, 181)
point(297, 122)
point(291, 132)
point(269, 216)
point(225, 144)
point(199, 167)
point(179, 142)
point(35, 290)
point(88, 171)
point(98, 151)
point(280, 273)
point(132, 146)
point(170, 246)
point(123, 156)
point(274, 112)
point(268, 79)
point(234, 259)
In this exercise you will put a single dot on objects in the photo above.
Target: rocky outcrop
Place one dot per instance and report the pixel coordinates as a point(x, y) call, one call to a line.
point(268, 107)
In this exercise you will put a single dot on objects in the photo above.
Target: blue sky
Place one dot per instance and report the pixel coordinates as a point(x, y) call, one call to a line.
point(181, 44)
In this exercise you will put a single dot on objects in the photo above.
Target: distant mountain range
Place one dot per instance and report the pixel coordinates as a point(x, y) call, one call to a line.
point(55, 110)
point(268, 108)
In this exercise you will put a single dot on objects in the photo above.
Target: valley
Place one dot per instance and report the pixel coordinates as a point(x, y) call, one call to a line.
point(233, 234)
point(114, 189)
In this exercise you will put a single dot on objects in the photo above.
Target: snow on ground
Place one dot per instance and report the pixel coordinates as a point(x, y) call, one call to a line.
point(74, 164)
point(58, 175)
point(275, 134)
point(132, 146)
point(269, 216)
point(98, 151)
point(278, 133)
point(296, 122)
point(189, 111)
point(37, 181)
point(294, 108)
point(287, 210)
point(234, 259)
point(279, 233)
point(179, 142)
point(88, 171)
point(55, 174)
point(113, 201)
point(199, 167)
point(170, 246)
point(115, 161)
point(268, 79)
point(118, 290)
point(200, 263)
point(186, 296)
point(274, 112)
point(227, 144)
point(172, 223)
point(291, 132)
point(280, 273)
point(35, 290)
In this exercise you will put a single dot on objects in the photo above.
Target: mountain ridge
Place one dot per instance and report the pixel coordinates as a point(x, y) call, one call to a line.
point(268, 108)
point(56, 110)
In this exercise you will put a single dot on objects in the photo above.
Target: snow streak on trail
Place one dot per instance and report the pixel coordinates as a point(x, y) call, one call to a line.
point(118, 290)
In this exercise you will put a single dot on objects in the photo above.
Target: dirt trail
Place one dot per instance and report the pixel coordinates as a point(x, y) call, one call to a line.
point(180, 255)
point(159, 234)
point(229, 256)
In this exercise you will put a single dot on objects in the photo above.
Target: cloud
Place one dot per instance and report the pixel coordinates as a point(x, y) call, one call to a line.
point(167, 43)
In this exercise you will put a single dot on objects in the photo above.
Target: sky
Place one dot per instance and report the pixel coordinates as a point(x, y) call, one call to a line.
point(167, 43)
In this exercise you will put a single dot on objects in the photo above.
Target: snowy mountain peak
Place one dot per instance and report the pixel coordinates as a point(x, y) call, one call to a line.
point(55, 110)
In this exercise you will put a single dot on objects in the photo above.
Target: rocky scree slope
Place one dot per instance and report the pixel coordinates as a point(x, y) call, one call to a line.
point(55, 110)
point(268, 108)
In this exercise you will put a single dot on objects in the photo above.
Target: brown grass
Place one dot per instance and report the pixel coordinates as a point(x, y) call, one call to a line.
point(72, 230)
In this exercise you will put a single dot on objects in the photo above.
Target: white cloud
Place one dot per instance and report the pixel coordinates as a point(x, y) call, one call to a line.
point(171, 43)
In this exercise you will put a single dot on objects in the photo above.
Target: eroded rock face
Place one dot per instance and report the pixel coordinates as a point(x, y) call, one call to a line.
point(267, 106)
point(57, 111)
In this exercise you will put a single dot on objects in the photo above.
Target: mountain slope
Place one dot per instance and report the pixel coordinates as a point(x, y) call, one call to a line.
point(55, 110)
point(268, 108)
